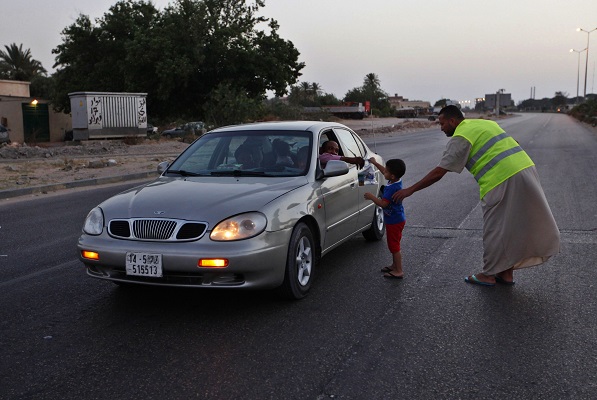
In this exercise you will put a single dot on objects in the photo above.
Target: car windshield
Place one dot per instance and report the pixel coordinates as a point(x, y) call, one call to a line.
point(246, 153)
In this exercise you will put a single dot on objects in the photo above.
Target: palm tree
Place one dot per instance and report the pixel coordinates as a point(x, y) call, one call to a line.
point(371, 81)
point(316, 88)
point(18, 65)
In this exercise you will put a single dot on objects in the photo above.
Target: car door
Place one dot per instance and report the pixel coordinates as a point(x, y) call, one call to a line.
point(341, 204)
point(354, 147)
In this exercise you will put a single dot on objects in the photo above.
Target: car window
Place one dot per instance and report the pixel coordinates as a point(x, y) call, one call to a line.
point(324, 137)
point(352, 147)
point(264, 153)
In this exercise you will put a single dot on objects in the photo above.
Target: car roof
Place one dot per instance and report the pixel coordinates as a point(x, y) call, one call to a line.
point(282, 125)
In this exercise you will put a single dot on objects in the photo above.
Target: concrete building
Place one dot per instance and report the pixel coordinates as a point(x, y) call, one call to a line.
point(400, 102)
point(28, 119)
point(409, 108)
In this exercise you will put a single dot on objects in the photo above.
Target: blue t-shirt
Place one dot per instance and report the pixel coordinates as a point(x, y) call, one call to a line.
point(394, 212)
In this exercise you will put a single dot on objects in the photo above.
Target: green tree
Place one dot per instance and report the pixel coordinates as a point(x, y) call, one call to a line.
point(229, 106)
point(181, 57)
point(42, 87)
point(371, 91)
point(560, 99)
point(306, 94)
point(17, 64)
point(101, 57)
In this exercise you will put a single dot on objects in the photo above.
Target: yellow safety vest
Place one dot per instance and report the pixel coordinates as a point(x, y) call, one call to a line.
point(494, 155)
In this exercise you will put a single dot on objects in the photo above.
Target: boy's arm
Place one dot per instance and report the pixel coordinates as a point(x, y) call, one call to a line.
point(383, 203)
point(380, 167)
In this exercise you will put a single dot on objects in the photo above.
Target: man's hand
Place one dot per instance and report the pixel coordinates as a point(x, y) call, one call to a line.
point(433, 176)
point(360, 162)
point(402, 194)
point(355, 160)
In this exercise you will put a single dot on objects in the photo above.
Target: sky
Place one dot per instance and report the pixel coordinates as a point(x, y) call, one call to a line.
point(421, 50)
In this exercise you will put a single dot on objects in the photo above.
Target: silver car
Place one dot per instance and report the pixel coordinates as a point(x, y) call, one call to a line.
point(245, 206)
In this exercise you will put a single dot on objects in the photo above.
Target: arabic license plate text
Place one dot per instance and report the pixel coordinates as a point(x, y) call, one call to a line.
point(144, 264)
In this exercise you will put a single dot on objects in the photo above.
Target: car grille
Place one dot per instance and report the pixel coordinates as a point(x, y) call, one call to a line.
point(156, 229)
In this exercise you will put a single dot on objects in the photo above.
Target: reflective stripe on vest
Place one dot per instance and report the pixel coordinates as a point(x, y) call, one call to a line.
point(484, 157)
point(483, 150)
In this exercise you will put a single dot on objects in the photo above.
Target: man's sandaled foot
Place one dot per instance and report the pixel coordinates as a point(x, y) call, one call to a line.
point(502, 281)
point(386, 269)
point(390, 275)
point(476, 281)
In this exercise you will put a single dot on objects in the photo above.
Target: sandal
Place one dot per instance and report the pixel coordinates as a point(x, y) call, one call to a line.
point(390, 275)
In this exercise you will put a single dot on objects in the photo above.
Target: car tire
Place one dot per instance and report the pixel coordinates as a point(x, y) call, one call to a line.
point(378, 227)
point(300, 263)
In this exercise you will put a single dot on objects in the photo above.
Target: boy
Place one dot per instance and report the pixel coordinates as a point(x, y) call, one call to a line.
point(393, 213)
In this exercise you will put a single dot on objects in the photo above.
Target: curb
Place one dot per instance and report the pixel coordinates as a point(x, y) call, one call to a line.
point(10, 193)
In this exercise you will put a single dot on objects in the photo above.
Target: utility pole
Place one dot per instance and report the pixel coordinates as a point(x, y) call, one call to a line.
point(587, 58)
point(497, 102)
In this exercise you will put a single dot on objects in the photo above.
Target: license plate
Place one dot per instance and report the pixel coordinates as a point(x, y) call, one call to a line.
point(144, 264)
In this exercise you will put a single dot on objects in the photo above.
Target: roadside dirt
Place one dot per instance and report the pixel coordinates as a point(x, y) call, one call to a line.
point(23, 165)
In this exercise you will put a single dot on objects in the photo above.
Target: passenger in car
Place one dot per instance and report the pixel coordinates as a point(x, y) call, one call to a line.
point(330, 151)
point(302, 156)
point(282, 153)
point(245, 157)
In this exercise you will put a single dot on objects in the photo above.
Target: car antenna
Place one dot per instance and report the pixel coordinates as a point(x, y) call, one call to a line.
point(374, 140)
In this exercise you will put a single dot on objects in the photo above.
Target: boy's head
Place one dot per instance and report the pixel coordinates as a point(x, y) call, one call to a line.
point(396, 167)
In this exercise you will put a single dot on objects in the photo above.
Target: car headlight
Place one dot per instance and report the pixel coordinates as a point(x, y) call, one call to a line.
point(239, 227)
point(94, 223)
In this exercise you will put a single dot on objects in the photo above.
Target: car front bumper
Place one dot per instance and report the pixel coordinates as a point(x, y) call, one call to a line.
point(256, 263)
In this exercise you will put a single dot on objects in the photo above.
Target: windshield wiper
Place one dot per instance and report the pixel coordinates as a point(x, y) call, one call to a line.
point(182, 172)
point(238, 172)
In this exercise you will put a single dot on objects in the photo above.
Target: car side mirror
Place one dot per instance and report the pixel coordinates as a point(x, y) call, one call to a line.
point(163, 166)
point(335, 168)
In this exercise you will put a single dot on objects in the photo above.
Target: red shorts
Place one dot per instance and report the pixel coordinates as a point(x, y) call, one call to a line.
point(394, 236)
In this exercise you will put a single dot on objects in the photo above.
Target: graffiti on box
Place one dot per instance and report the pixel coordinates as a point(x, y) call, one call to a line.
point(95, 112)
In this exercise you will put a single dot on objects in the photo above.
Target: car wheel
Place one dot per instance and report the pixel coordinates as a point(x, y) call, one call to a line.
point(378, 226)
point(299, 264)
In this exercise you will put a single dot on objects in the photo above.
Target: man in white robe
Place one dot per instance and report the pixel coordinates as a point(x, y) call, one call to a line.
point(519, 230)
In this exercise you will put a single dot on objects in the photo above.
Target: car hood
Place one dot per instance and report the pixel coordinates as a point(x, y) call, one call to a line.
point(207, 199)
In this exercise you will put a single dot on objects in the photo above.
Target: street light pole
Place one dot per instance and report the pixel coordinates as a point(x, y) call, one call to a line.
point(578, 72)
point(587, 59)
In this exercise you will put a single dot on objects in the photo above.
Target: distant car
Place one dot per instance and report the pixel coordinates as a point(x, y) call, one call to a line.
point(231, 213)
point(190, 128)
point(4, 138)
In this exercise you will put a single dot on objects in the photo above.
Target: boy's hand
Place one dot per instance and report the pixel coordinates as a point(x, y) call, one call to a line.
point(370, 196)
point(372, 160)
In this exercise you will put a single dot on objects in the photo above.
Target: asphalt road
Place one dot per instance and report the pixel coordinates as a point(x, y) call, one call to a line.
point(356, 336)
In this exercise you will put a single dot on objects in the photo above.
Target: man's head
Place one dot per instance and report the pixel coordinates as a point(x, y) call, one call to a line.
point(449, 118)
point(330, 147)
